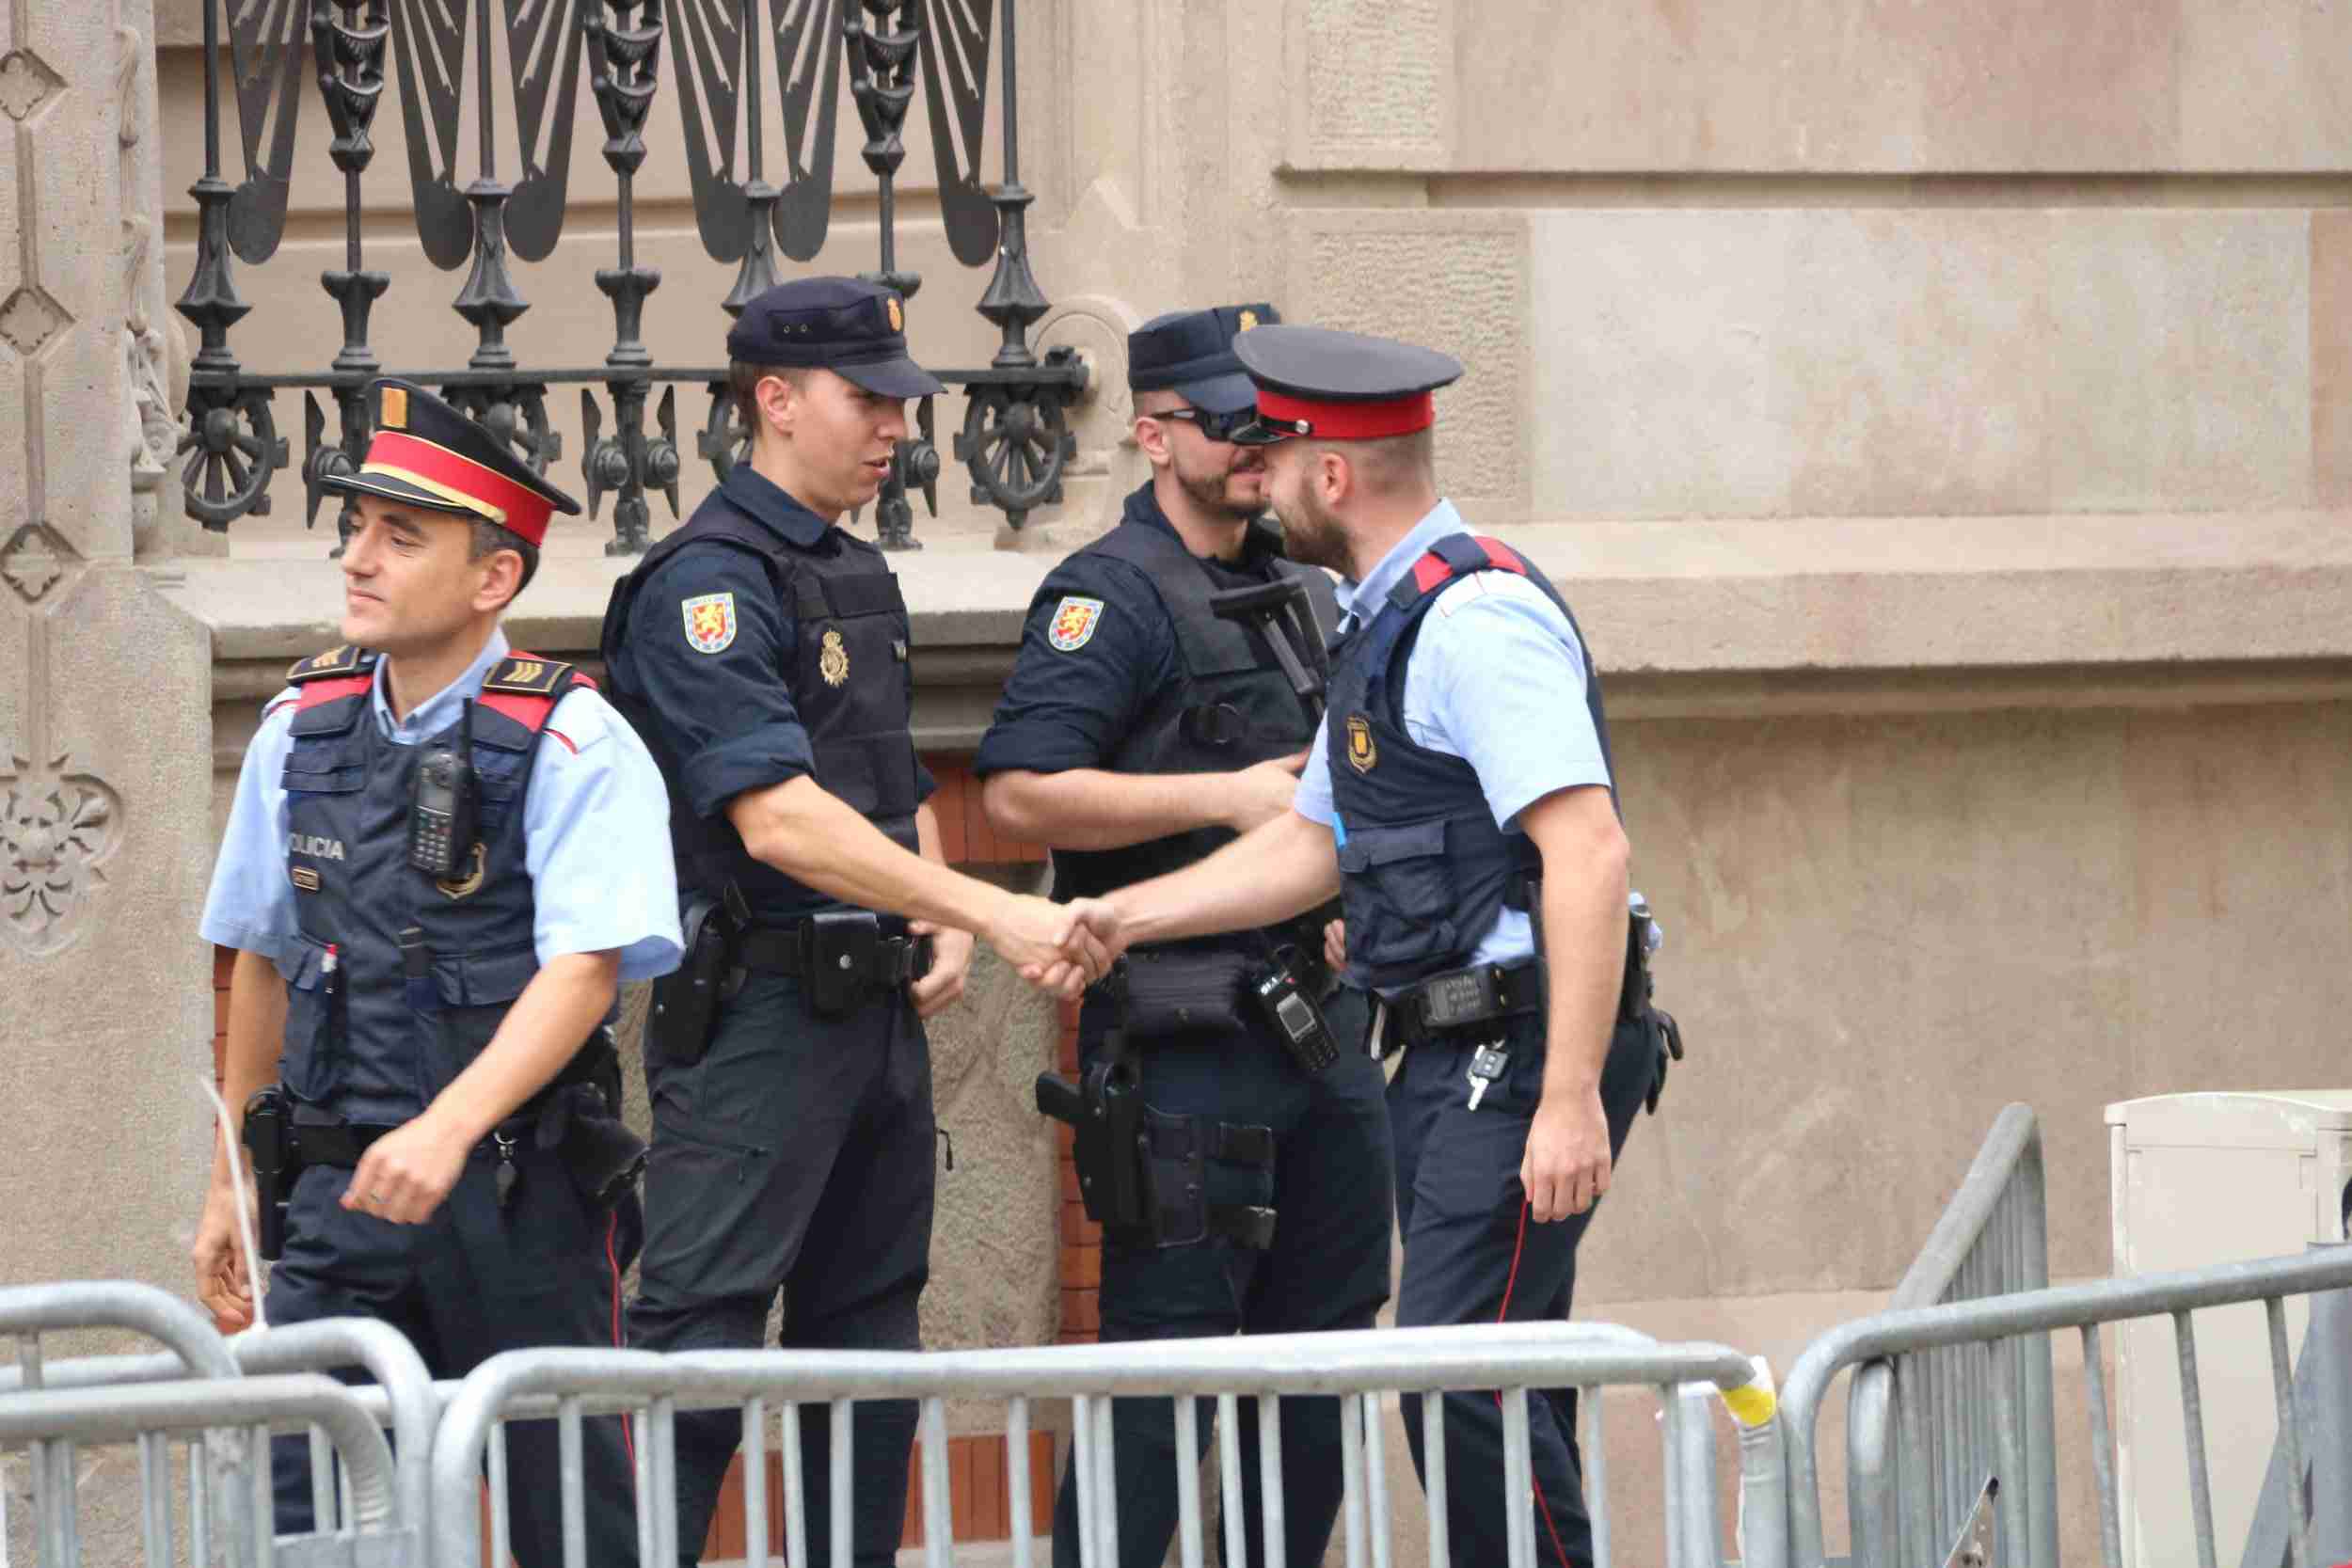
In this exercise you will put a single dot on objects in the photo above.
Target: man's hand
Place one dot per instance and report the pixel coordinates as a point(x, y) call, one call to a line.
point(1262, 792)
point(1566, 1168)
point(1335, 944)
point(951, 959)
point(1054, 946)
point(221, 1283)
point(407, 1173)
point(1094, 940)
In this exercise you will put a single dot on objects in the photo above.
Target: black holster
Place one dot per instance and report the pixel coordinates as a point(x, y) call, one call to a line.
point(686, 1001)
point(1105, 1111)
point(578, 1120)
point(270, 1148)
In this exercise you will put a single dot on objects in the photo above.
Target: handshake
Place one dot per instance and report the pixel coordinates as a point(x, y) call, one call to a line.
point(1060, 948)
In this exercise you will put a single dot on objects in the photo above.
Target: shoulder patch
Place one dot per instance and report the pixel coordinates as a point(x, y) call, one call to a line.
point(709, 621)
point(1075, 621)
point(342, 660)
point(528, 675)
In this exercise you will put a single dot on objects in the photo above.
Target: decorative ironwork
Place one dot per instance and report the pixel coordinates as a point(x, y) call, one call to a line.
point(725, 56)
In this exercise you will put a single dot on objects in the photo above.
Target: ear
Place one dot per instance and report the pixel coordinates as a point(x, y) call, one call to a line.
point(1152, 436)
point(1334, 478)
point(779, 403)
point(501, 579)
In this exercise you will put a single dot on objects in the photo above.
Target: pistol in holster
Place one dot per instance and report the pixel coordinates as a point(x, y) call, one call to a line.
point(270, 1148)
point(686, 1001)
point(1637, 1000)
point(1104, 1110)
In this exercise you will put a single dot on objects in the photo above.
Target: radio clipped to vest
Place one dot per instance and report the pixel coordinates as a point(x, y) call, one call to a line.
point(445, 813)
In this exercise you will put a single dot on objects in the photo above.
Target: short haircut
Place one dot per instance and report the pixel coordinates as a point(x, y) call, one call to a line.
point(1389, 463)
point(490, 538)
point(743, 379)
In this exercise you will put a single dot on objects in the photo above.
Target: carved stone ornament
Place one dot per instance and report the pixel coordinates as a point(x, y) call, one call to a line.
point(56, 831)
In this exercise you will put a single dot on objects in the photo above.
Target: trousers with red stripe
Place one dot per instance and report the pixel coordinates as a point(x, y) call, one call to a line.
point(475, 1279)
point(1471, 1259)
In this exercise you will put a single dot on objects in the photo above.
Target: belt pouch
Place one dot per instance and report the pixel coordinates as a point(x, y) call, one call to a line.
point(1176, 1178)
point(843, 951)
point(1179, 994)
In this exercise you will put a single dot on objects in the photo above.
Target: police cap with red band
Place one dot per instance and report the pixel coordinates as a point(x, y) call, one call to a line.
point(429, 456)
point(1339, 386)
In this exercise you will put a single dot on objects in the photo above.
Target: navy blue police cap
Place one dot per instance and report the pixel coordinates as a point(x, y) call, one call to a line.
point(1340, 385)
point(428, 456)
point(1191, 352)
point(855, 329)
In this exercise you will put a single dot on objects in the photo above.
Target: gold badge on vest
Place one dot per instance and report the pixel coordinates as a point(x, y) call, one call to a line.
point(833, 662)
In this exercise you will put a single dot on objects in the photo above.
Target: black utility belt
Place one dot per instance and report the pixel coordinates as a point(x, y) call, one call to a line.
point(342, 1143)
point(1168, 992)
point(843, 946)
point(1458, 999)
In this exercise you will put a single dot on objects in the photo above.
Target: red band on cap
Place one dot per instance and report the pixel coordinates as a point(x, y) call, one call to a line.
point(515, 507)
point(1352, 421)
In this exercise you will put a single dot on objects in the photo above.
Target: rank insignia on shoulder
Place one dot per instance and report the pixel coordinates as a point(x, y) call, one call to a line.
point(709, 621)
point(1075, 623)
point(1362, 755)
point(528, 674)
point(342, 660)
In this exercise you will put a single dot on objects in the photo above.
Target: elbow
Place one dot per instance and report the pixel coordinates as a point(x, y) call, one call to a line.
point(1005, 802)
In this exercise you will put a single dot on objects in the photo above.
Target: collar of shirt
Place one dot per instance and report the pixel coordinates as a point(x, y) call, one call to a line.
point(440, 710)
point(764, 502)
point(1441, 520)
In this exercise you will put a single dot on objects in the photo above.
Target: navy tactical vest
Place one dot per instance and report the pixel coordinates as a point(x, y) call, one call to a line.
point(1423, 870)
point(851, 684)
point(375, 1032)
point(1227, 711)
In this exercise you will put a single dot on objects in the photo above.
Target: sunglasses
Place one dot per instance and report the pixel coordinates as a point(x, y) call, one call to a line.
point(1216, 427)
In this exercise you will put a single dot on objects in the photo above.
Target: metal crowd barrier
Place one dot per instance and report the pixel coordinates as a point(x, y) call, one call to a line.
point(2000, 1331)
point(771, 1386)
point(1921, 1433)
point(222, 1398)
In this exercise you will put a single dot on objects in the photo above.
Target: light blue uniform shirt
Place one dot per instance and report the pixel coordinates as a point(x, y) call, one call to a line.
point(596, 829)
point(1497, 678)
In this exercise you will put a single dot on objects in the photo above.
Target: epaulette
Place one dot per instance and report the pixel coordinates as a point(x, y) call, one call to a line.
point(344, 660)
point(528, 675)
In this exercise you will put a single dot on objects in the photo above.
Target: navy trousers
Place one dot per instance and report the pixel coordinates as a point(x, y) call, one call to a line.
point(1469, 1242)
point(798, 1154)
point(1327, 1269)
point(473, 1280)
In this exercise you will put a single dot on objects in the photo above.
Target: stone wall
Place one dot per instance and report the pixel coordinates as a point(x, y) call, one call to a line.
point(1940, 416)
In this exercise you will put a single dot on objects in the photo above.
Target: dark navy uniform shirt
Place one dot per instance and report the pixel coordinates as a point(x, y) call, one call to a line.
point(729, 716)
point(1097, 648)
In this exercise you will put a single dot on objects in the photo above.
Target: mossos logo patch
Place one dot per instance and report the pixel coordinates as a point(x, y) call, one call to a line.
point(316, 847)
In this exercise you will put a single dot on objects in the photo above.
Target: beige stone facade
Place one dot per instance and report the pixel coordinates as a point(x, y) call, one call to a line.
point(1941, 417)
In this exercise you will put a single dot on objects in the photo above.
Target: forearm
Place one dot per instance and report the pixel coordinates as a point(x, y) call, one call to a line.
point(548, 1022)
point(1583, 927)
point(927, 834)
point(1279, 869)
point(257, 1030)
point(815, 837)
point(1087, 808)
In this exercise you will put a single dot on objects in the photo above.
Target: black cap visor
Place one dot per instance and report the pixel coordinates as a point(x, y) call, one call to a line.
point(895, 377)
point(1264, 432)
point(415, 497)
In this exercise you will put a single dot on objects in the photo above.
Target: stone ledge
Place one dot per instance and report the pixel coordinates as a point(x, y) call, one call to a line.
point(1827, 612)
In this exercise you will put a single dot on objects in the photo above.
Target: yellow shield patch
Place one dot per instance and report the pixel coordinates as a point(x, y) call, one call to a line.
point(1362, 754)
point(1074, 623)
point(709, 621)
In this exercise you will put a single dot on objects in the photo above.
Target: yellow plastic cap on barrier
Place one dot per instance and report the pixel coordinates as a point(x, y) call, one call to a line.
point(1753, 1402)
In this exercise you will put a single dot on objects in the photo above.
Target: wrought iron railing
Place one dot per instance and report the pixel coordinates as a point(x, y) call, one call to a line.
point(1014, 439)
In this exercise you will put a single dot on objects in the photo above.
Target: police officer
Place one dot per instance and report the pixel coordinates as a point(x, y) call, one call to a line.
point(762, 650)
point(1140, 731)
point(443, 857)
point(1462, 799)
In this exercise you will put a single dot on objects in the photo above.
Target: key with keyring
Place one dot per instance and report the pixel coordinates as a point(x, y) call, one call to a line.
point(1487, 1065)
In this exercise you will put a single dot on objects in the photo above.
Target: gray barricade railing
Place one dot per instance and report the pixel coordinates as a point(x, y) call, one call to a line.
point(223, 1397)
point(2004, 1326)
point(1920, 1426)
point(771, 1387)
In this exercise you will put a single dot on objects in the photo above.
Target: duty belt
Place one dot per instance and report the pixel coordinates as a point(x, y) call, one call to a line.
point(785, 950)
point(342, 1143)
point(1459, 998)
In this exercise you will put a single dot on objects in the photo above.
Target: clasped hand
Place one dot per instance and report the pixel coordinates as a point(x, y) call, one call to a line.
point(1060, 948)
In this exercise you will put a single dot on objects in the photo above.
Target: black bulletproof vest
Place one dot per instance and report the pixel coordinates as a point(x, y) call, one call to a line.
point(1423, 869)
point(1226, 711)
point(851, 684)
point(376, 1034)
